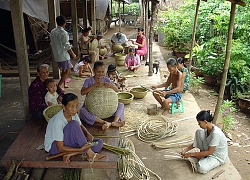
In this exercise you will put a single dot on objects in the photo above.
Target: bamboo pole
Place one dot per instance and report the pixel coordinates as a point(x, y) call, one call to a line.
point(193, 35)
point(153, 9)
point(226, 62)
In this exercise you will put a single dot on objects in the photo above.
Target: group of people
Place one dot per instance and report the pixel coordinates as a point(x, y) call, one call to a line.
point(65, 131)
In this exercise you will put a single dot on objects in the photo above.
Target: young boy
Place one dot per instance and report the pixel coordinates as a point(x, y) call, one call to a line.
point(81, 66)
point(172, 95)
point(51, 97)
point(116, 77)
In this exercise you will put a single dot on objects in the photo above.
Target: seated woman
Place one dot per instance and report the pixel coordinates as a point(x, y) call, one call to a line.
point(85, 41)
point(99, 80)
point(66, 134)
point(212, 144)
point(141, 42)
point(132, 60)
point(81, 67)
point(185, 73)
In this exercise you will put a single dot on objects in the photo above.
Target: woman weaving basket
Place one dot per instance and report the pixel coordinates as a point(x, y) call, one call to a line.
point(99, 80)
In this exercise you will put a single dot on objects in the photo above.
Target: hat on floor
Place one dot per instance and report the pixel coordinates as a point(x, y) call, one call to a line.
point(111, 68)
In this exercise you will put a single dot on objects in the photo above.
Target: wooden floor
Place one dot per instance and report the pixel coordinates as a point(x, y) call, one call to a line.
point(24, 149)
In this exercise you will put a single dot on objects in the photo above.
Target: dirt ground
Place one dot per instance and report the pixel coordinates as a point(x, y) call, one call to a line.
point(239, 150)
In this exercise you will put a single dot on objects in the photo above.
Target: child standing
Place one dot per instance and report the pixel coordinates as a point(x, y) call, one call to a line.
point(51, 97)
point(116, 77)
point(132, 60)
point(185, 73)
point(81, 66)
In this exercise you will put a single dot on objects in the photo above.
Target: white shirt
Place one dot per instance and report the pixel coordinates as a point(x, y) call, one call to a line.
point(60, 44)
point(51, 98)
point(76, 67)
point(121, 40)
point(54, 130)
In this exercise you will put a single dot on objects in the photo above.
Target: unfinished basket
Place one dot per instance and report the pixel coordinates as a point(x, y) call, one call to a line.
point(125, 97)
point(102, 102)
point(139, 92)
point(50, 111)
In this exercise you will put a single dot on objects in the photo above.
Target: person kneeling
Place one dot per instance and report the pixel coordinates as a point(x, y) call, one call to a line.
point(132, 60)
point(66, 134)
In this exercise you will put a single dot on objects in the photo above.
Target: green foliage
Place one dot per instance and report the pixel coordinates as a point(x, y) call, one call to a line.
point(195, 83)
point(235, 87)
point(133, 8)
point(227, 109)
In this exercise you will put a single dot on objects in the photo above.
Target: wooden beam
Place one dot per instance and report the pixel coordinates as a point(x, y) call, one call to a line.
point(74, 25)
point(93, 18)
point(85, 13)
point(52, 25)
point(241, 3)
point(226, 62)
point(21, 51)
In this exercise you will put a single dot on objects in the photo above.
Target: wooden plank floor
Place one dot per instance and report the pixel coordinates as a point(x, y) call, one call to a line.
point(32, 135)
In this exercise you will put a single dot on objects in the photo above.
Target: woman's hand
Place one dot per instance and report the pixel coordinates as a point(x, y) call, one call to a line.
point(86, 146)
point(90, 137)
point(107, 85)
point(153, 87)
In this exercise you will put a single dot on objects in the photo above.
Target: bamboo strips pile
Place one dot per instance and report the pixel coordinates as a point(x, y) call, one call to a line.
point(156, 128)
point(175, 143)
point(129, 164)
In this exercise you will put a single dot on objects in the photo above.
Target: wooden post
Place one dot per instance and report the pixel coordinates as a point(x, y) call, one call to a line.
point(52, 25)
point(153, 10)
point(85, 13)
point(58, 12)
point(93, 18)
point(143, 14)
point(120, 19)
point(226, 62)
point(193, 35)
point(21, 51)
point(146, 28)
point(74, 25)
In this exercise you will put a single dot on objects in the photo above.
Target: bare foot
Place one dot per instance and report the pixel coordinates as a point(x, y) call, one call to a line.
point(118, 124)
point(106, 126)
point(96, 157)
point(66, 158)
point(165, 112)
point(66, 86)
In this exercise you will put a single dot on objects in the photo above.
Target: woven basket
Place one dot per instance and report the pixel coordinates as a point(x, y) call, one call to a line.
point(102, 51)
point(120, 59)
point(102, 102)
point(50, 111)
point(125, 97)
point(117, 48)
point(139, 92)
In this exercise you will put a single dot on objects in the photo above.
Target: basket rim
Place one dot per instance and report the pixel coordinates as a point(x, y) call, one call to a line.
point(132, 95)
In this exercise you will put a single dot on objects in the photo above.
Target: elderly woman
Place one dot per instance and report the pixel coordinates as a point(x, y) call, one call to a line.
point(99, 80)
point(66, 134)
point(37, 92)
point(212, 144)
point(85, 45)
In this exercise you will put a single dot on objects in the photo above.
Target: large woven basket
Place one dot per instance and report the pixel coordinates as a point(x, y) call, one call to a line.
point(125, 97)
point(50, 111)
point(102, 51)
point(120, 59)
point(117, 48)
point(102, 102)
point(139, 92)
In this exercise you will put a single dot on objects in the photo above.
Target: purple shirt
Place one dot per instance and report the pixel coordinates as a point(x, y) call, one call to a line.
point(37, 92)
point(90, 81)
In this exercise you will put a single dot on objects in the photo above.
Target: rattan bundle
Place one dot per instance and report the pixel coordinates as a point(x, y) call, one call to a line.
point(125, 97)
point(50, 111)
point(102, 102)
